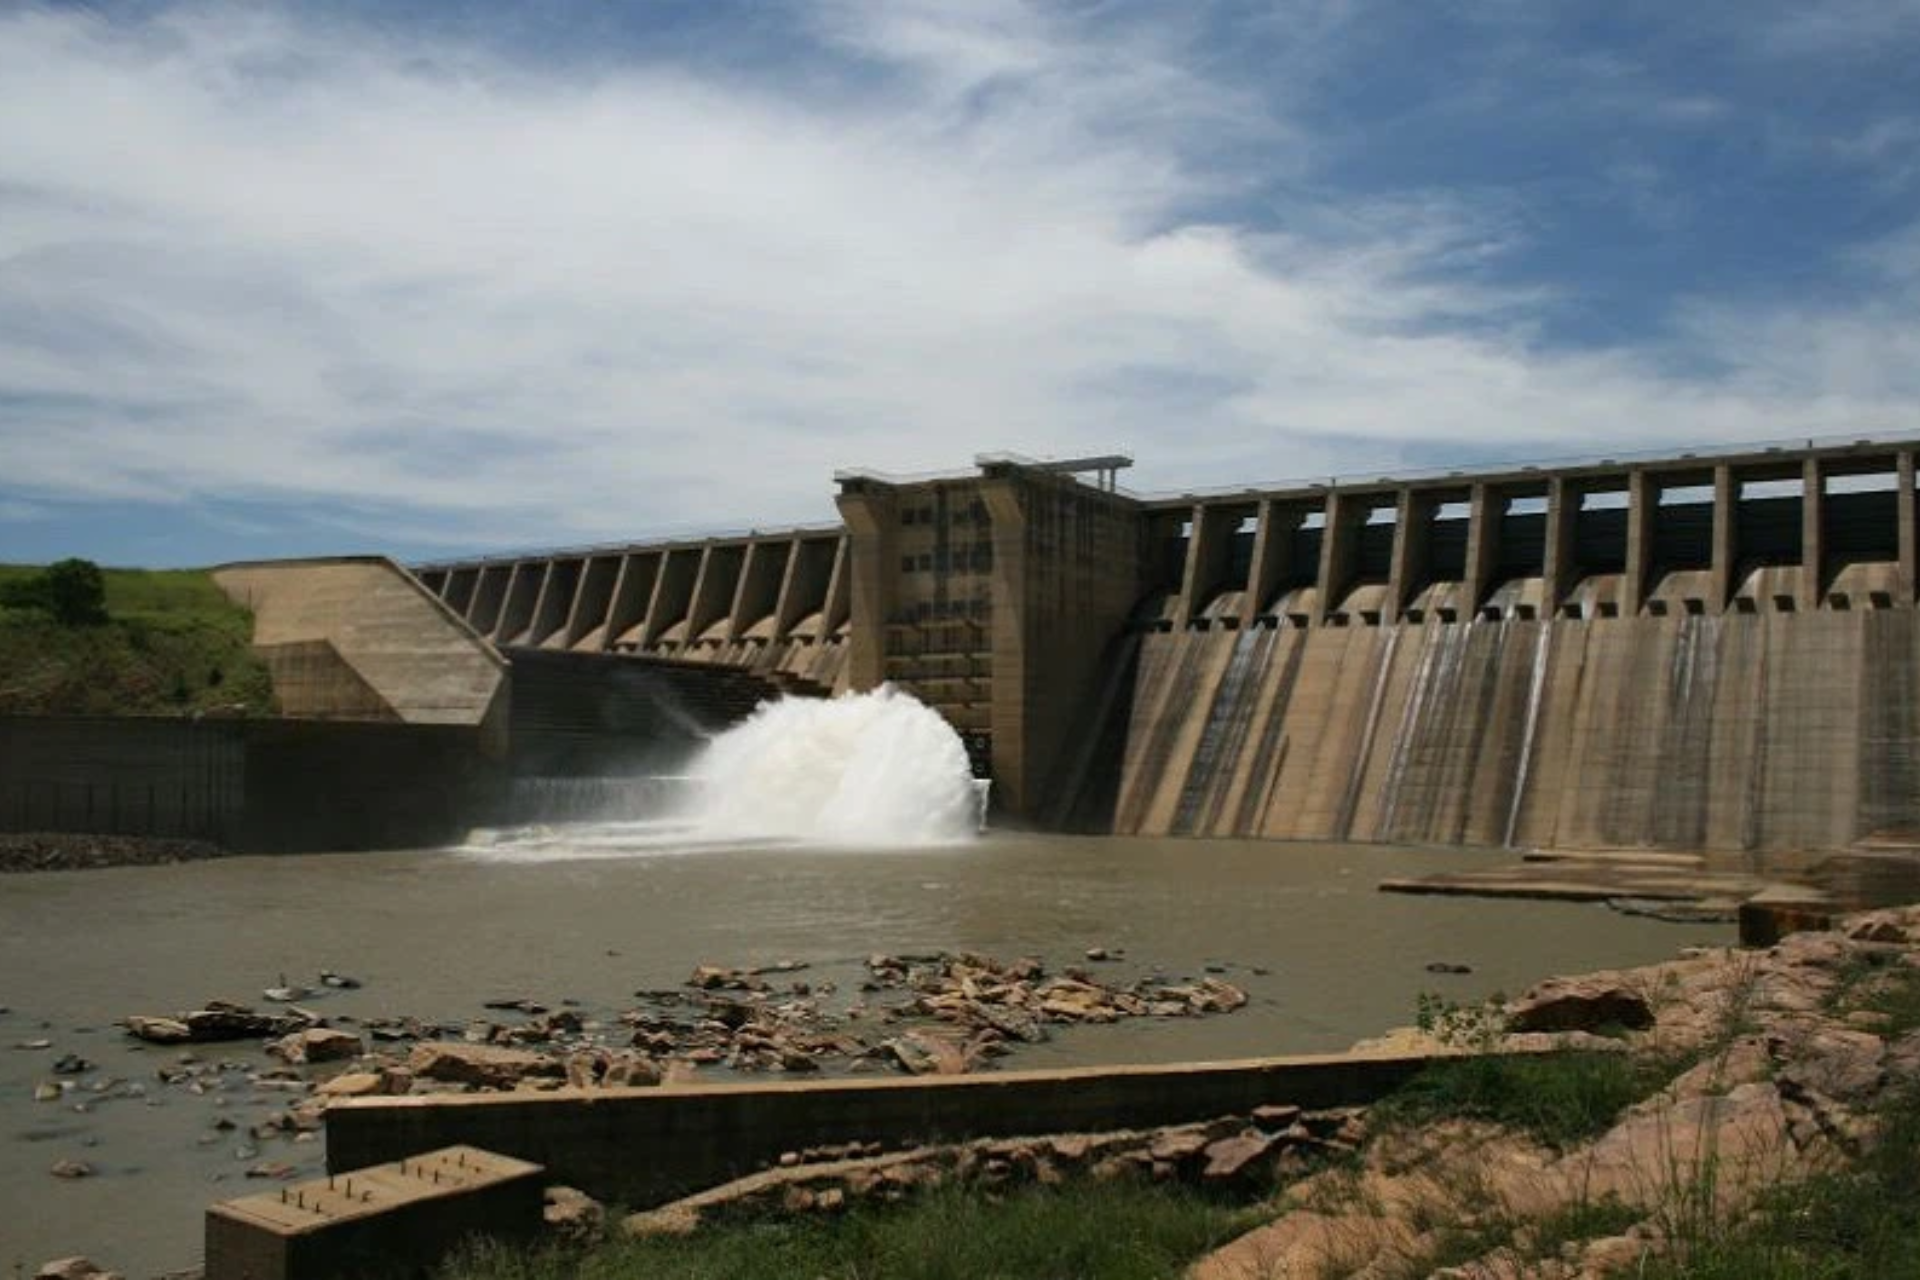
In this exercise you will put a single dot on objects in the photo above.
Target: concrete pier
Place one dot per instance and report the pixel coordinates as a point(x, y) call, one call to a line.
point(763, 601)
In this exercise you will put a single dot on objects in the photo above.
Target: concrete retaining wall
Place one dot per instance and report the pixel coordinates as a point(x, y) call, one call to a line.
point(265, 786)
point(641, 1147)
point(139, 777)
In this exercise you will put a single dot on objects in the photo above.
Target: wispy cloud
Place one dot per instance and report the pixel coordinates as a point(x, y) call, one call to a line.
point(260, 253)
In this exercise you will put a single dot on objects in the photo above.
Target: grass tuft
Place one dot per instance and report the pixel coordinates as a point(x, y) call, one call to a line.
point(1558, 1099)
point(1860, 1222)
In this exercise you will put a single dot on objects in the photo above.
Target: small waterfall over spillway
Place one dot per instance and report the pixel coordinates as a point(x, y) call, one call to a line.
point(877, 768)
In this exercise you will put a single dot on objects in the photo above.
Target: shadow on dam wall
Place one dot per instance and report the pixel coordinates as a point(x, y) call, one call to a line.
point(1742, 731)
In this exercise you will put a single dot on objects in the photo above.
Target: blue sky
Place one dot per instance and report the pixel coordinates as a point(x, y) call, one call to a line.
point(429, 278)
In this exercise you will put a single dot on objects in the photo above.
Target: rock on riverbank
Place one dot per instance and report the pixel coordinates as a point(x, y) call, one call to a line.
point(59, 851)
point(1780, 1058)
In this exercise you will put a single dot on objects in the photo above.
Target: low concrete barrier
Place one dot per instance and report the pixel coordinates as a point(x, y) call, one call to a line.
point(641, 1147)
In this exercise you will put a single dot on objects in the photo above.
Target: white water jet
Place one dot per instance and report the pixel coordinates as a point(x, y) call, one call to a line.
point(877, 768)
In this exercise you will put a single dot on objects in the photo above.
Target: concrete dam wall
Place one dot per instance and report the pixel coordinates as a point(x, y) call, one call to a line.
point(1732, 732)
point(1697, 651)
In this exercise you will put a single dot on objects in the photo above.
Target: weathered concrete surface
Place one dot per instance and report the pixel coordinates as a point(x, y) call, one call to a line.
point(644, 1146)
point(773, 603)
point(376, 1220)
point(396, 651)
point(1763, 731)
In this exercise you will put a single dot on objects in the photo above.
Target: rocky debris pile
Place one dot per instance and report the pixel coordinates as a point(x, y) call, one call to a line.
point(1269, 1145)
point(932, 1014)
point(1788, 1063)
point(942, 1014)
point(989, 1004)
point(219, 1020)
point(316, 1044)
point(64, 851)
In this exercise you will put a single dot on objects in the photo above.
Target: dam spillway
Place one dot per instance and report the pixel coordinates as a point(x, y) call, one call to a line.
point(1700, 651)
point(1730, 732)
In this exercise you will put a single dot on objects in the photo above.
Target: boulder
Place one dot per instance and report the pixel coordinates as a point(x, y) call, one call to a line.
point(1837, 1062)
point(485, 1066)
point(316, 1044)
point(76, 1268)
point(674, 1220)
point(713, 977)
point(1215, 995)
point(927, 1055)
point(1175, 1145)
point(223, 1021)
point(631, 1071)
point(1230, 1158)
point(354, 1084)
point(1580, 1004)
point(1878, 926)
point(157, 1030)
point(574, 1215)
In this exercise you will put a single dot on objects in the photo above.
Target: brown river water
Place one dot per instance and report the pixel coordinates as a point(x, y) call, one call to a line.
point(1324, 957)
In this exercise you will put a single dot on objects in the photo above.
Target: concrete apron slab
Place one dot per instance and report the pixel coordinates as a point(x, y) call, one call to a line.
point(644, 1147)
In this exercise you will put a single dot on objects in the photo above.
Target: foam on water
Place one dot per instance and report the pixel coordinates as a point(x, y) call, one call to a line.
point(869, 769)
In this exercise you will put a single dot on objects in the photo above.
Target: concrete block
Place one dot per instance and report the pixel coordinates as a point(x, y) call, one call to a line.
point(390, 1217)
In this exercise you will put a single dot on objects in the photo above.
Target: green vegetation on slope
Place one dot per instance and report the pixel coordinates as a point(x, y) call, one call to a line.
point(171, 643)
point(1560, 1100)
point(1118, 1230)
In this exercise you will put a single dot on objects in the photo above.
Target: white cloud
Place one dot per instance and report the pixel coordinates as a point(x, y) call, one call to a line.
point(249, 253)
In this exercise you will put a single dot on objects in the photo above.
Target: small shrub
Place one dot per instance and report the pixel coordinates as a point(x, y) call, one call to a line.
point(72, 592)
point(1461, 1026)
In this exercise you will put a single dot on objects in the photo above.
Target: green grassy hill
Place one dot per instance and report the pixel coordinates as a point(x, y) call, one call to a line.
point(173, 644)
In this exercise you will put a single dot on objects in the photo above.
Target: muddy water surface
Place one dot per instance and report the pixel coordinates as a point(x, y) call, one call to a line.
point(1325, 959)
